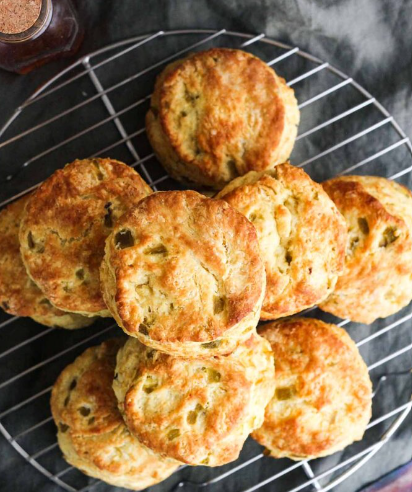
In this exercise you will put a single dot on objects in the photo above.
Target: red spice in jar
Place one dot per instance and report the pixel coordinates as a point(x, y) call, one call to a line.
point(34, 32)
point(18, 15)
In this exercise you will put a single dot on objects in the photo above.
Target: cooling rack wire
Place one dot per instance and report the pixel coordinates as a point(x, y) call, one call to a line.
point(114, 76)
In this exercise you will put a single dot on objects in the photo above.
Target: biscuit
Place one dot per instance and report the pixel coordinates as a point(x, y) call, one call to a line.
point(183, 274)
point(323, 396)
point(91, 432)
point(218, 114)
point(302, 236)
point(197, 411)
point(19, 295)
point(377, 278)
point(65, 226)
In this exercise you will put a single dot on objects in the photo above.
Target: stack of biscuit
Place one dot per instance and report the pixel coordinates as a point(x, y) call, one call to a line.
point(182, 275)
point(188, 278)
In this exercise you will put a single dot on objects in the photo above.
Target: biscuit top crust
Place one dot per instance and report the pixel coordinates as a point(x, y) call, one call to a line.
point(19, 295)
point(382, 197)
point(184, 267)
point(85, 410)
point(66, 223)
point(85, 387)
point(302, 236)
point(198, 411)
point(377, 278)
point(223, 111)
point(323, 392)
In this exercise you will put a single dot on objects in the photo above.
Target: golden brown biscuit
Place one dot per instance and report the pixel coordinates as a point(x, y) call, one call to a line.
point(183, 274)
point(302, 236)
point(377, 277)
point(323, 396)
point(19, 295)
point(198, 411)
point(218, 114)
point(91, 432)
point(65, 226)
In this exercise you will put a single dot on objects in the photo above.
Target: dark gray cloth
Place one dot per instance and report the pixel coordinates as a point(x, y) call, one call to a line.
point(371, 41)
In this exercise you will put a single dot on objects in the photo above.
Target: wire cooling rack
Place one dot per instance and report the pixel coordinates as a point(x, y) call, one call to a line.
point(96, 107)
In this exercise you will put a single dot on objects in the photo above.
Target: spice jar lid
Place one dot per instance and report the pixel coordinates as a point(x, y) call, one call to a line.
point(23, 19)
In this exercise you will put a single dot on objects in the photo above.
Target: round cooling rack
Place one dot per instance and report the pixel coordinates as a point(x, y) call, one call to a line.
point(96, 107)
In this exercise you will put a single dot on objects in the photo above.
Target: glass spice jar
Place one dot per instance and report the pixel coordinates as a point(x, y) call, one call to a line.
point(34, 32)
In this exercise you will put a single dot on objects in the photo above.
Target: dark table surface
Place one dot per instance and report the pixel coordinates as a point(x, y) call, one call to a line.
point(371, 40)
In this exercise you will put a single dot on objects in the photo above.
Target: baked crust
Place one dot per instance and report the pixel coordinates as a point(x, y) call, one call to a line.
point(377, 278)
point(218, 114)
point(323, 396)
point(197, 411)
point(302, 236)
point(65, 226)
point(183, 274)
point(91, 432)
point(19, 295)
